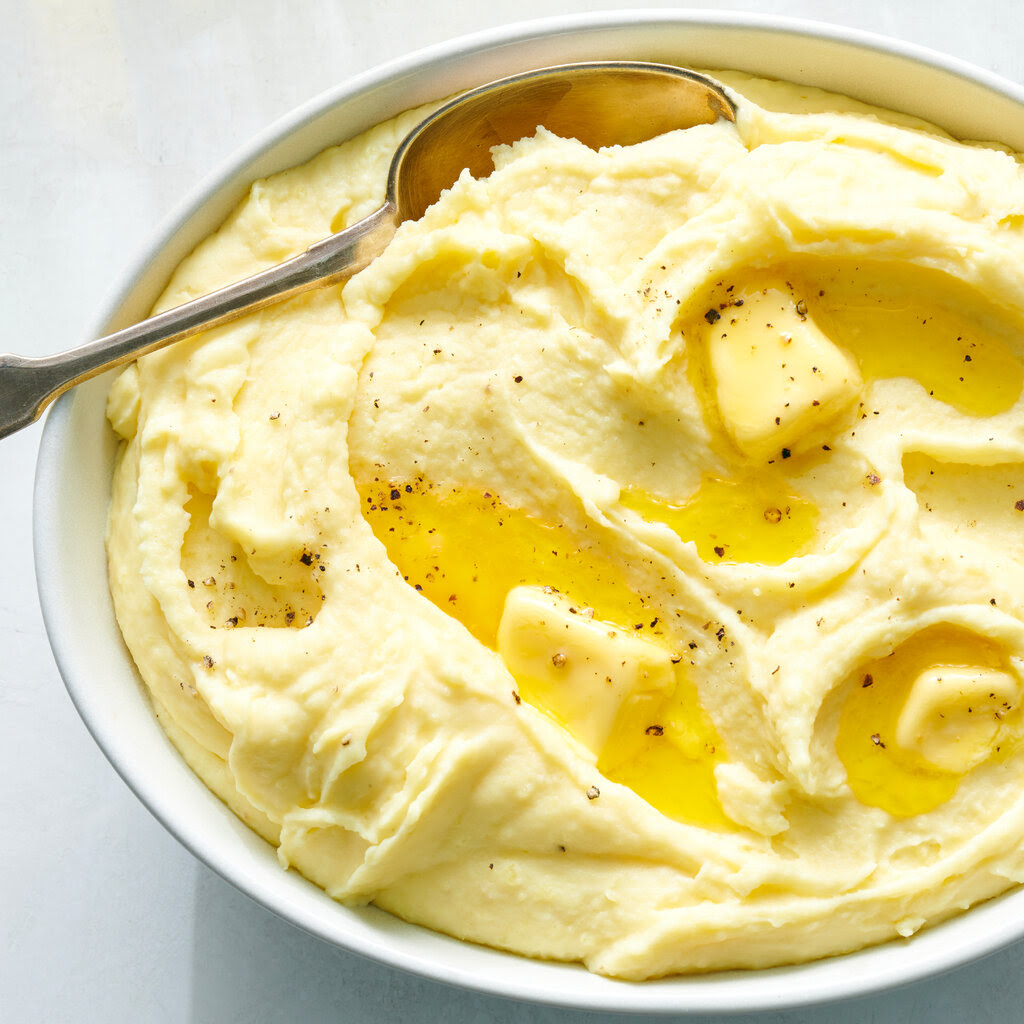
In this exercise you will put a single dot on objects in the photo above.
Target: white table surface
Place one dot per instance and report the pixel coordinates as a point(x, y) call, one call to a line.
point(110, 112)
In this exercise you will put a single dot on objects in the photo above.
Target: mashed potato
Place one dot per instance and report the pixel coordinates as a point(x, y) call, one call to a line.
point(627, 566)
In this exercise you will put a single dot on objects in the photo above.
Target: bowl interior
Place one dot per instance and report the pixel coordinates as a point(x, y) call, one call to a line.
point(77, 451)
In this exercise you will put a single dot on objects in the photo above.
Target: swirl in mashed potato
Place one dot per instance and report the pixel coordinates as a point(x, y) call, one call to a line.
point(627, 566)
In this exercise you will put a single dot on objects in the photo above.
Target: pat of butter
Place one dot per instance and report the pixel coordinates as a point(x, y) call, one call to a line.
point(574, 666)
point(954, 714)
point(778, 377)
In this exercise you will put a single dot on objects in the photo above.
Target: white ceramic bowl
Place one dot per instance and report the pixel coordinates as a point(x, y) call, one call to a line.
point(77, 451)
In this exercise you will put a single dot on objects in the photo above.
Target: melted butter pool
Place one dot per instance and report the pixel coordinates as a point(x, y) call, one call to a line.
point(899, 320)
point(885, 761)
point(751, 519)
point(666, 750)
point(896, 320)
point(466, 551)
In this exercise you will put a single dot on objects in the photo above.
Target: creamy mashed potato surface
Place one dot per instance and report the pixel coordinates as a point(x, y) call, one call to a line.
point(628, 566)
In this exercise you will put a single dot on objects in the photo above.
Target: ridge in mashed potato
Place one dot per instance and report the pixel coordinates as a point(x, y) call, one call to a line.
point(625, 567)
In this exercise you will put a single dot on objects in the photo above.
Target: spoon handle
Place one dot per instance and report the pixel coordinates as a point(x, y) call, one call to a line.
point(28, 385)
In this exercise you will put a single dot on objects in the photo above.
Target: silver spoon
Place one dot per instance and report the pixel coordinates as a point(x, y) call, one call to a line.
point(601, 104)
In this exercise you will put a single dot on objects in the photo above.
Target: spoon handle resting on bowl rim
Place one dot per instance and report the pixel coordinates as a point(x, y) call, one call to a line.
point(29, 385)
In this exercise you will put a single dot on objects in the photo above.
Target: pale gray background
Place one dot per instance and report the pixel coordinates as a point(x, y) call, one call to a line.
point(110, 112)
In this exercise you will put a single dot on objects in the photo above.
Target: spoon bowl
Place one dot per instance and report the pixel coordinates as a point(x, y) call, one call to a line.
point(613, 103)
point(602, 103)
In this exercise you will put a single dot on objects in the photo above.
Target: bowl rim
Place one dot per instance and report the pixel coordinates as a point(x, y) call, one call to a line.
point(856, 974)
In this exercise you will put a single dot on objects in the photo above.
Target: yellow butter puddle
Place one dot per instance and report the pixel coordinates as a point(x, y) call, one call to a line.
point(910, 322)
point(886, 771)
point(897, 320)
point(666, 751)
point(742, 520)
point(466, 550)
